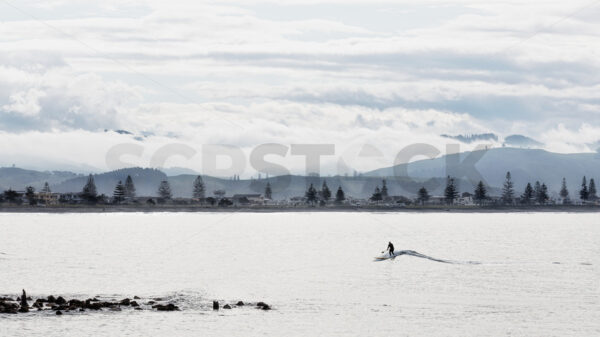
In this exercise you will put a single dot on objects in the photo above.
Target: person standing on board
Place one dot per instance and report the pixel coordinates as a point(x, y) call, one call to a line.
point(391, 248)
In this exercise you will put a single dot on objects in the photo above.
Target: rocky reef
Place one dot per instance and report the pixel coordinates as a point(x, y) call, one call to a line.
point(59, 305)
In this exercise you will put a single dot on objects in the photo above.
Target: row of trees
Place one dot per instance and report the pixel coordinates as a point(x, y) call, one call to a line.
point(121, 192)
point(585, 193)
point(533, 193)
point(537, 193)
point(125, 191)
point(322, 196)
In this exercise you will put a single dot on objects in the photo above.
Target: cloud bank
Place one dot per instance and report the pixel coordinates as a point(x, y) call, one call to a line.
point(389, 74)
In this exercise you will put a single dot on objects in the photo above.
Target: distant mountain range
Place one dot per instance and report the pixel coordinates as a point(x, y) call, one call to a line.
point(521, 141)
point(526, 165)
point(146, 181)
point(17, 178)
point(473, 138)
point(512, 140)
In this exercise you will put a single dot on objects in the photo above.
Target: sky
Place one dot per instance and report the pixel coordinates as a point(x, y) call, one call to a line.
point(369, 77)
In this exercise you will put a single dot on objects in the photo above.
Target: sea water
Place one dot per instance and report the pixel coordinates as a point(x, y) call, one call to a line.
point(473, 274)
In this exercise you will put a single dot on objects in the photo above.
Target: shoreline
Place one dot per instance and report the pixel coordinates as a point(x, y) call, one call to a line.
point(275, 209)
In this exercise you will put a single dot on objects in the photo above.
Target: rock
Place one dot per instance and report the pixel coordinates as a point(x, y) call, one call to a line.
point(150, 303)
point(138, 308)
point(60, 300)
point(93, 306)
point(24, 309)
point(24, 303)
point(51, 299)
point(8, 308)
point(126, 302)
point(82, 309)
point(240, 304)
point(168, 307)
point(215, 305)
point(134, 304)
point(263, 306)
point(226, 306)
point(58, 312)
point(136, 298)
point(76, 303)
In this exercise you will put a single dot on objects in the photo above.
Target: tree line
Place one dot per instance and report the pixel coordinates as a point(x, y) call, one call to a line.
point(536, 193)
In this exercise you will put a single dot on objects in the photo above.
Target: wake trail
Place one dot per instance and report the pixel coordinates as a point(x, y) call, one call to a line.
point(423, 256)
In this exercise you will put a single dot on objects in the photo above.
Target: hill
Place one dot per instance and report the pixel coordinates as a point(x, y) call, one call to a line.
point(146, 181)
point(18, 178)
point(525, 165)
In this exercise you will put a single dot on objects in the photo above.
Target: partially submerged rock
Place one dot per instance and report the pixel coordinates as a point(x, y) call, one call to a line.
point(168, 307)
point(263, 306)
point(60, 305)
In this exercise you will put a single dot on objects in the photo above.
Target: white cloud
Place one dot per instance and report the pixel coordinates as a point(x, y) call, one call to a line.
point(246, 73)
point(25, 102)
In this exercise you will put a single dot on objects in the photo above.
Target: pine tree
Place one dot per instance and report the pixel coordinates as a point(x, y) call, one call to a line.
point(584, 193)
point(384, 190)
point(376, 196)
point(480, 193)
point(119, 192)
point(11, 195)
point(164, 190)
point(537, 191)
point(592, 194)
point(325, 191)
point(89, 192)
point(268, 191)
point(30, 195)
point(423, 195)
point(311, 195)
point(543, 196)
point(129, 188)
point(508, 192)
point(528, 194)
point(450, 193)
point(564, 192)
point(46, 188)
point(339, 195)
point(199, 191)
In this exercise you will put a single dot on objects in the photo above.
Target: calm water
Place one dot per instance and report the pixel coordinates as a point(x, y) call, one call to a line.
point(538, 273)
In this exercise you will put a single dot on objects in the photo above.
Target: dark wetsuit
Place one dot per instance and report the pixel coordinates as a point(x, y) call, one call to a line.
point(391, 249)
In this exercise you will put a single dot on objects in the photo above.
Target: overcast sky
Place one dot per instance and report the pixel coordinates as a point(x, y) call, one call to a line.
point(243, 73)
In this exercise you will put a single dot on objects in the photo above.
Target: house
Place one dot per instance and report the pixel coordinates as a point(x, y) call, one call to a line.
point(465, 200)
point(248, 199)
point(48, 198)
point(296, 201)
point(70, 198)
point(436, 200)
